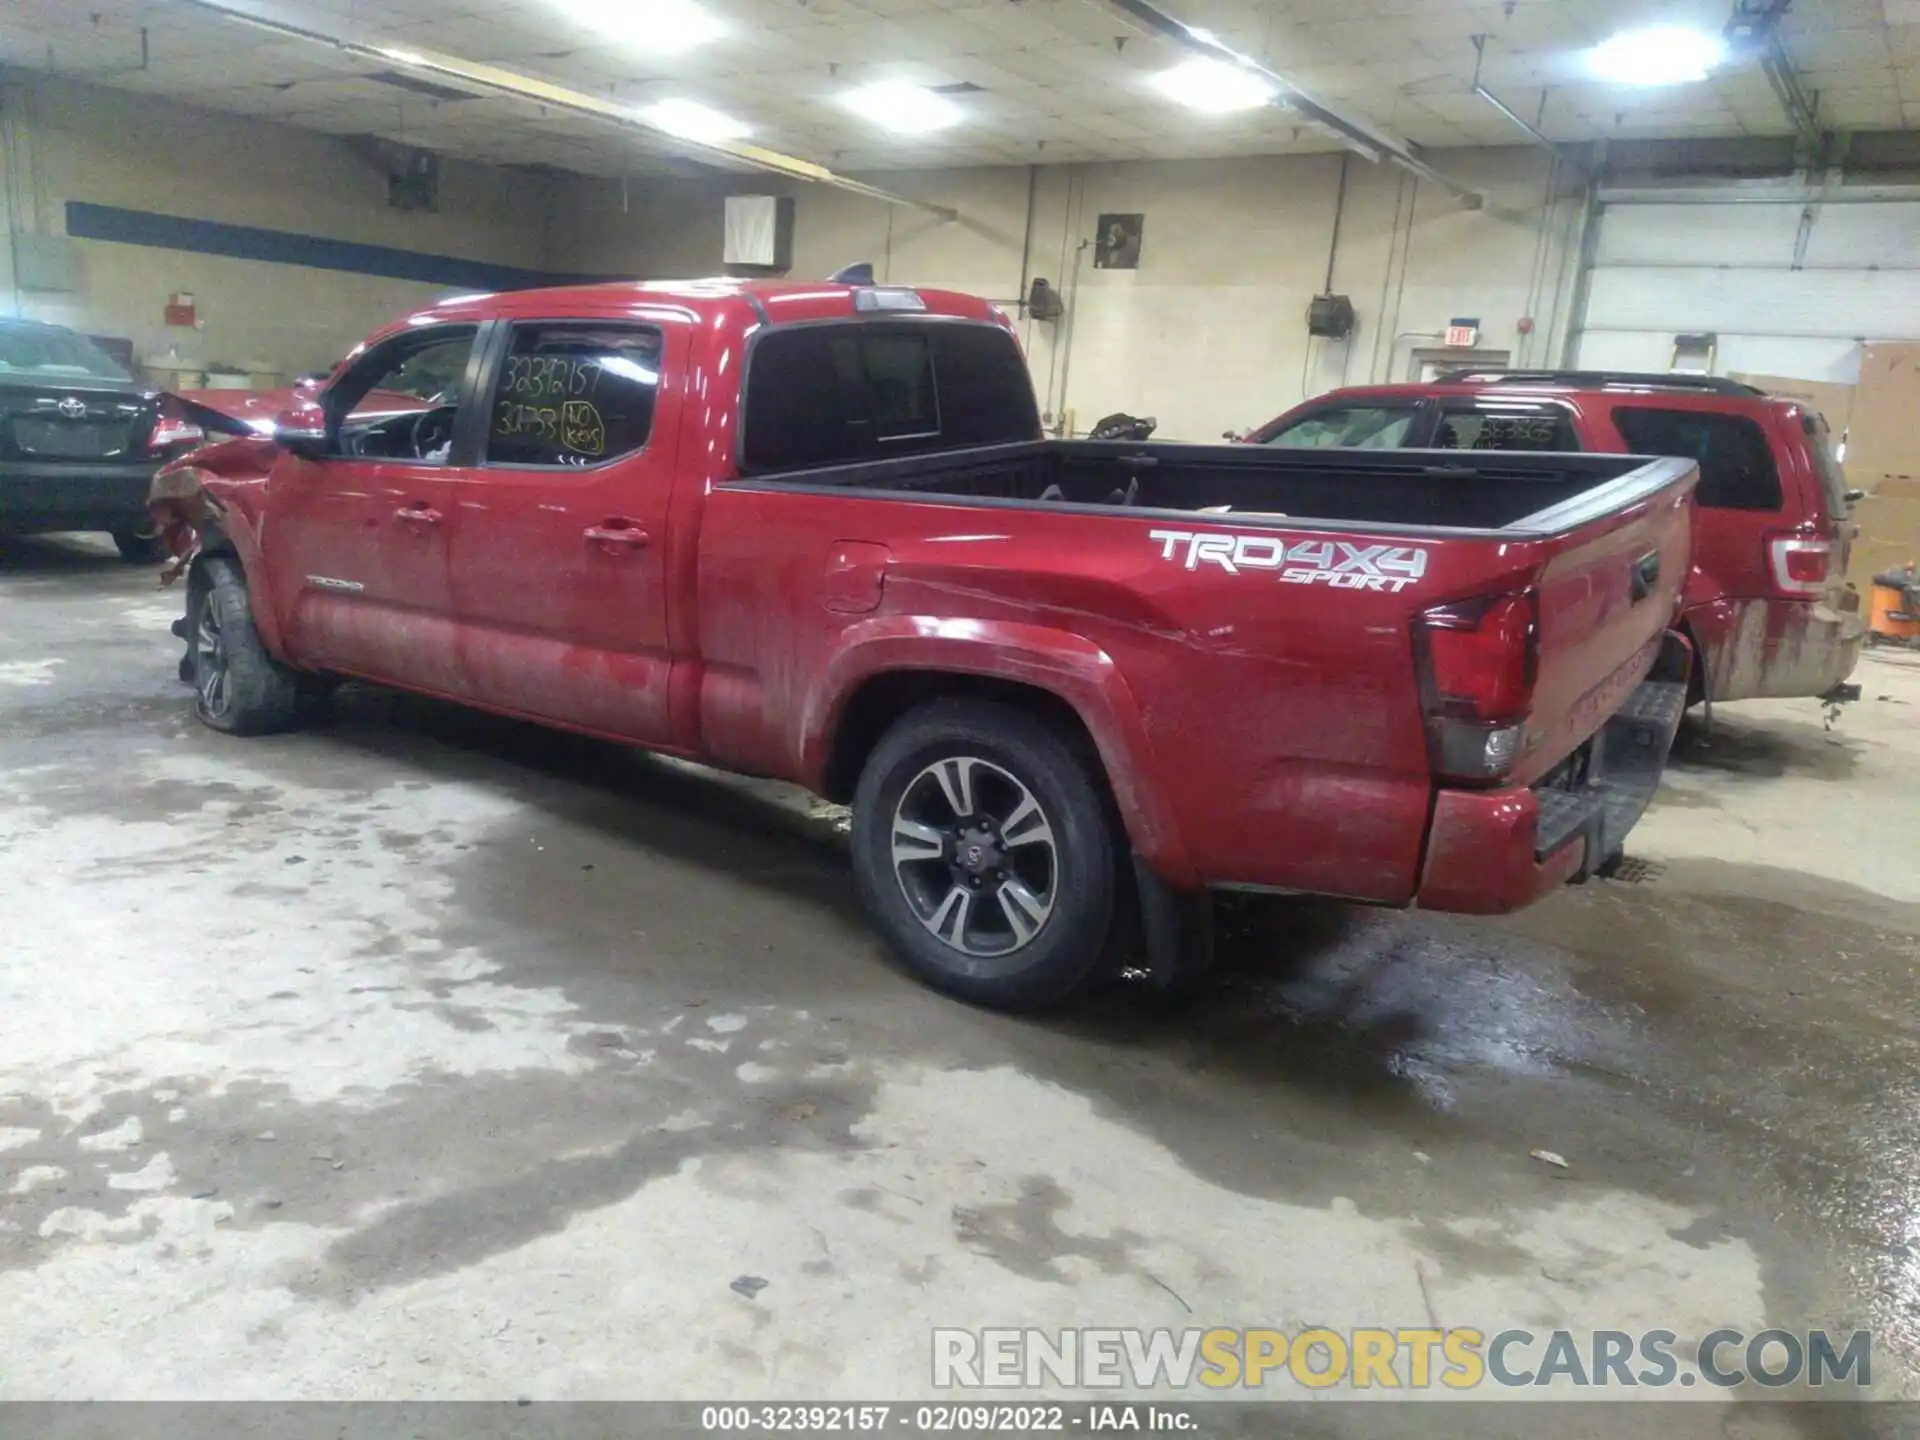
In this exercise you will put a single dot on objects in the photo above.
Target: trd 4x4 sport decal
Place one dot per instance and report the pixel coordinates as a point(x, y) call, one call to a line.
point(1333, 563)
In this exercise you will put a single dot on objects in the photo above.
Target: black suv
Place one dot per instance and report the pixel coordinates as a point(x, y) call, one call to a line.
point(77, 437)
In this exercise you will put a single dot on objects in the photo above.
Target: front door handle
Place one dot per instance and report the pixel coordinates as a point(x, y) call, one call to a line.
point(418, 513)
point(619, 532)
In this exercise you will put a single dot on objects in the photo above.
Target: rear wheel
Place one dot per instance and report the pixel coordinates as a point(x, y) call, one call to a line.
point(983, 850)
point(238, 687)
point(140, 545)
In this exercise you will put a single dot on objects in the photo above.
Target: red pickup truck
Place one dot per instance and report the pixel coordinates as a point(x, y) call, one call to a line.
point(813, 531)
point(1767, 604)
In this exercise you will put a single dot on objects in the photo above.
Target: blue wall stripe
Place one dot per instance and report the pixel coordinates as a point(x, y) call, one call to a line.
point(245, 242)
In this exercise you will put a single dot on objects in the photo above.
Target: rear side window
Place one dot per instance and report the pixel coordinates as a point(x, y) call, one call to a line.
point(1833, 480)
point(574, 394)
point(1736, 463)
point(1349, 427)
point(832, 394)
point(1542, 427)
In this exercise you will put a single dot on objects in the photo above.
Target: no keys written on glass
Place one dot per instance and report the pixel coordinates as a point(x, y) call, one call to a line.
point(551, 399)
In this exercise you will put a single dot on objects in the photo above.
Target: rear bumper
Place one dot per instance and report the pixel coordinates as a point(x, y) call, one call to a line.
point(1778, 648)
point(1492, 851)
point(74, 497)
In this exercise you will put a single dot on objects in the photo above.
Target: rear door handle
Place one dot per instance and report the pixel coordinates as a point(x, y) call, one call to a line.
point(419, 513)
point(617, 532)
point(1646, 574)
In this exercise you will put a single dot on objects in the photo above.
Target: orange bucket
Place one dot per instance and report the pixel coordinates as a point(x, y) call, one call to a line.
point(1891, 616)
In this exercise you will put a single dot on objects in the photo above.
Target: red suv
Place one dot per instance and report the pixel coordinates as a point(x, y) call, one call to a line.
point(1766, 604)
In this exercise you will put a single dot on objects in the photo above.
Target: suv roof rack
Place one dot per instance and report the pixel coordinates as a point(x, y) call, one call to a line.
point(1600, 379)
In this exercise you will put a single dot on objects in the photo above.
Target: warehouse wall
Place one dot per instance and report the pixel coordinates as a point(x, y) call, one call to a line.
point(69, 141)
point(1209, 333)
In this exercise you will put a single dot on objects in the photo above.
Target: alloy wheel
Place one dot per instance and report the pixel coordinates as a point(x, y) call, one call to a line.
point(211, 676)
point(975, 856)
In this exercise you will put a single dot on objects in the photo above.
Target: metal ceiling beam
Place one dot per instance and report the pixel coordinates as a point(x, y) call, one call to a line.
point(1753, 32)
point(1764, 192)
point(1359, 135)
point(1802, 109)
point(493, 80)
point(1528, 128)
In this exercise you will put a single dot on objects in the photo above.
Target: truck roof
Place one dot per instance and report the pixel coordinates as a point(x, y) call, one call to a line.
point(771, 301)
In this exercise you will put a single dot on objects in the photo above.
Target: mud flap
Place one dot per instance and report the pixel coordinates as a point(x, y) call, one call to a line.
point(1176, 931)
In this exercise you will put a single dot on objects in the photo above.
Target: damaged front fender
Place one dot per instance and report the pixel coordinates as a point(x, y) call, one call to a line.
point(189, 497)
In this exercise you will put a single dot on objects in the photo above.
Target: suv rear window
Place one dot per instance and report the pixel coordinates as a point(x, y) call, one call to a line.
point(832, 394)
point(1736, 463)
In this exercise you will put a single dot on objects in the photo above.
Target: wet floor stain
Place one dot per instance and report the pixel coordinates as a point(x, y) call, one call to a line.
point(1729, 1044)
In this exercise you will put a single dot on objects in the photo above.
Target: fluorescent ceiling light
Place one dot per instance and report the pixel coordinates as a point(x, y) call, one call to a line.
point(658, 27)
point(691, 120)
point(903, 108)
point(1217, 87)
point(1656, 55)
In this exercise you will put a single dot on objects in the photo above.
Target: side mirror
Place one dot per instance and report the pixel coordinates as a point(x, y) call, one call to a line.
point(302, 428)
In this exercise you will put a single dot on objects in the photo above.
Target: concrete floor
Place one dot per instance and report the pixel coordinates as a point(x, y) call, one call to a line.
point(429, 1055)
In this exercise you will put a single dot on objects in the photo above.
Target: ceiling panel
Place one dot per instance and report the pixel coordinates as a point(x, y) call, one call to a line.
point(1049, 70)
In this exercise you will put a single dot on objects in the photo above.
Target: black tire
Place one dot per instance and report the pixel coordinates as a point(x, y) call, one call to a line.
point(140, 546)
point(239, 689)
point(1065, 878)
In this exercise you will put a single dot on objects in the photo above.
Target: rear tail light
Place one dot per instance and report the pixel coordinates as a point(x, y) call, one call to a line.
point(1800, 564)
point(1477, 662)
point(170, 434)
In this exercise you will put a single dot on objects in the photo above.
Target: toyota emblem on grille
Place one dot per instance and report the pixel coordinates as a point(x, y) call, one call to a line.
point(71, 408)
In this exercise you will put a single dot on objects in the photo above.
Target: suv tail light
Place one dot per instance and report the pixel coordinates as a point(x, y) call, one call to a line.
point(1800, 563)
point(1477, 661)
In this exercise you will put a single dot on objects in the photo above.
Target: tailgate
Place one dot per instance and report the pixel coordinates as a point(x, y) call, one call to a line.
point(1607, 596)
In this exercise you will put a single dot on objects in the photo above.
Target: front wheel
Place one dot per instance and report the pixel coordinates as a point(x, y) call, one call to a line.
point(238, 687)
point(982, 848)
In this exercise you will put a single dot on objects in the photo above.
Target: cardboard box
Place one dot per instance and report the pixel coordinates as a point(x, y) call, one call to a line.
point(1883, 437)
point(1823, 397)
point(1889, 521)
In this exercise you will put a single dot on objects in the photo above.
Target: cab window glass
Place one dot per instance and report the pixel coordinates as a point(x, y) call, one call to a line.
point(832, 394)
point(574, 394)
point(398, 401)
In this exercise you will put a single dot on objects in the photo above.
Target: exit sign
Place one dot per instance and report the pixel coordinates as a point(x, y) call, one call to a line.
point(1463, 333)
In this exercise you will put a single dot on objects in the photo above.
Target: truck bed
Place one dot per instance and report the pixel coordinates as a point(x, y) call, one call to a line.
point(1506, 492)
point(1271, 647)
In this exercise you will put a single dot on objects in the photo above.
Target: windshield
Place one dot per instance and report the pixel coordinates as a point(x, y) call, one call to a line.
point(57, 354)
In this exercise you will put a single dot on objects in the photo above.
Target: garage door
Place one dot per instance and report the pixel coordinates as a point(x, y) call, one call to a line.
point(1730, 268)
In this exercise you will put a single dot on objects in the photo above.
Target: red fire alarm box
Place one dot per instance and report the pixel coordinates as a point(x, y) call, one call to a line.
point(180, 310)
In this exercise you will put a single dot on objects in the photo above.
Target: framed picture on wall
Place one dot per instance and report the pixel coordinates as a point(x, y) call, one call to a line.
point(1116, 242)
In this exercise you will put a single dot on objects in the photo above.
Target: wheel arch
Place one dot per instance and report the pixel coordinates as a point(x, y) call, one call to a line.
point(1062, 678)
point(232, 538)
